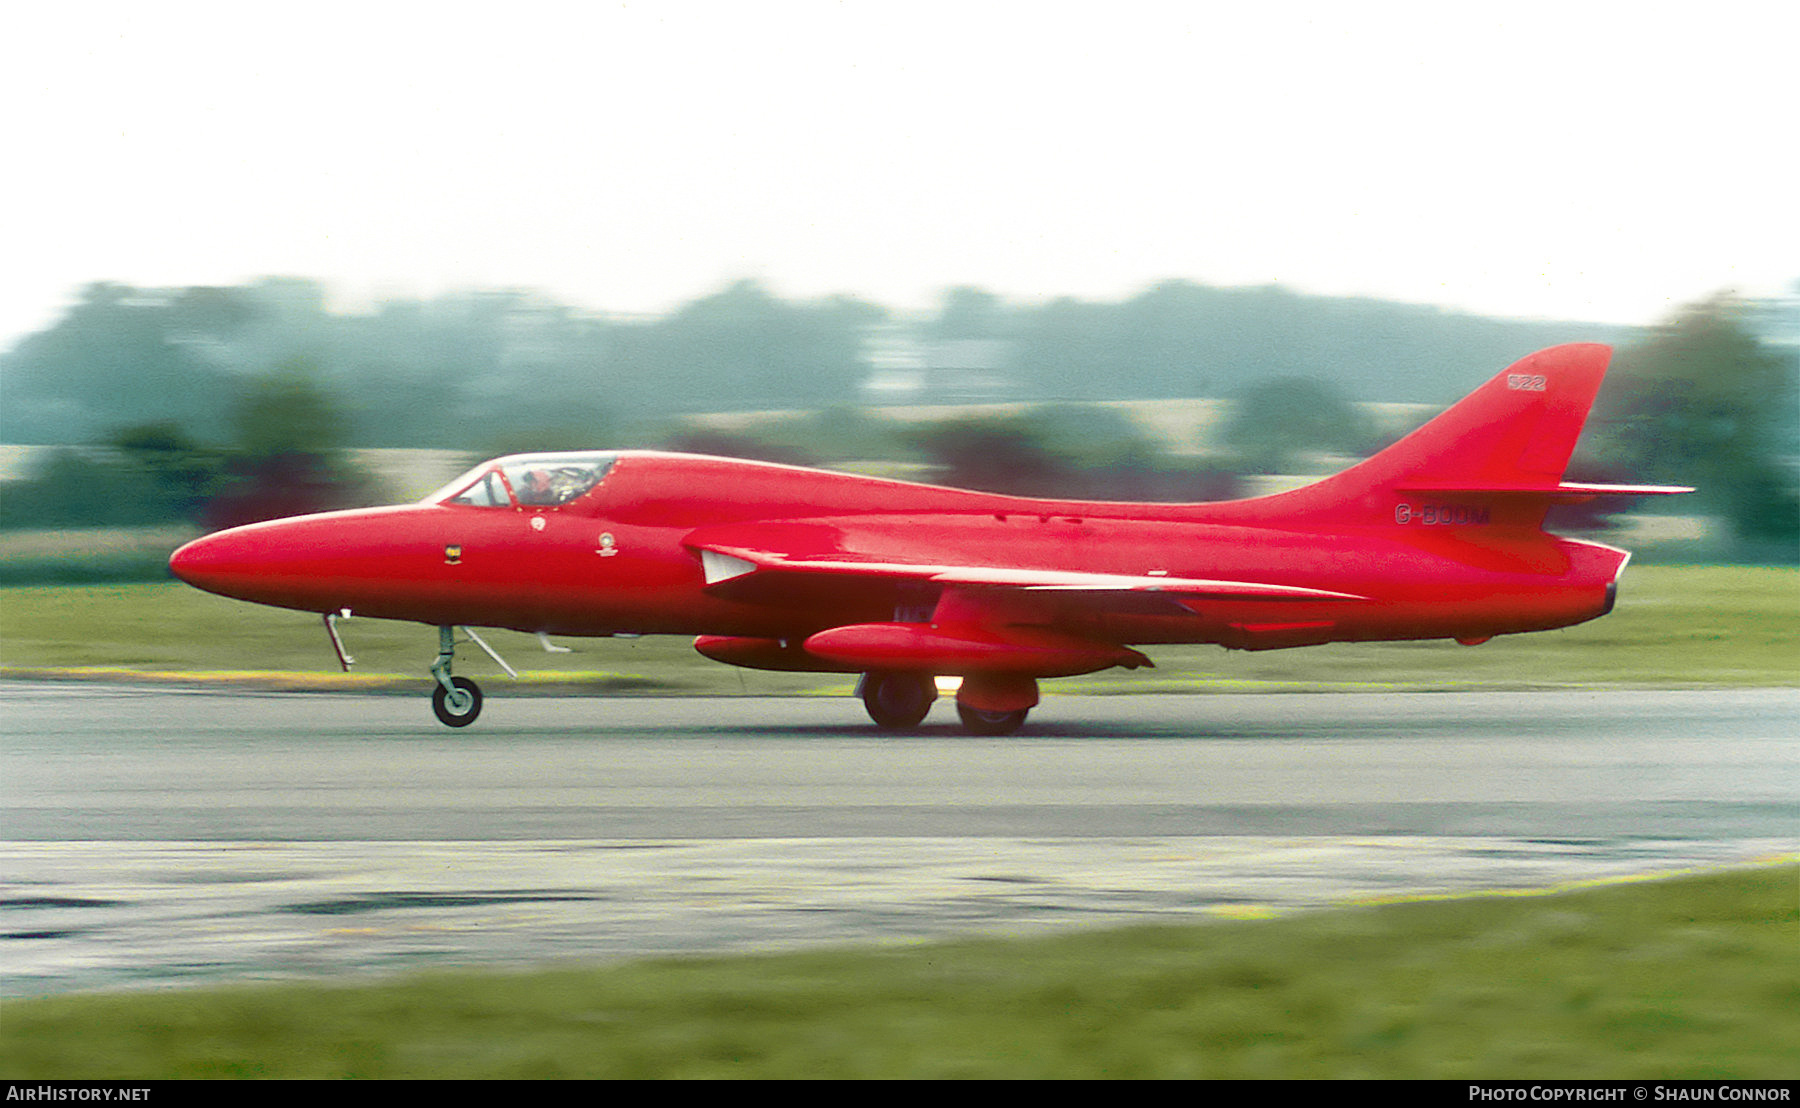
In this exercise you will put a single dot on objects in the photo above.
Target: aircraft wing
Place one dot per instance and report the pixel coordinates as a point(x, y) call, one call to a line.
point(741, 572)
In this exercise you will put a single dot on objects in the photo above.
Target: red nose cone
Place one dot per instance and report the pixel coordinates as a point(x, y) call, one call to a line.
point(361, 559)
point(195, 561)
point(216, 563)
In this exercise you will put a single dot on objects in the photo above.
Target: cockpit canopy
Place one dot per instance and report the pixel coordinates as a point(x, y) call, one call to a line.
point(527, 481)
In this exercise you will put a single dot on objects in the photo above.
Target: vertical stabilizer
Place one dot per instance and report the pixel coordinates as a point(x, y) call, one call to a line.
point(1496, 456)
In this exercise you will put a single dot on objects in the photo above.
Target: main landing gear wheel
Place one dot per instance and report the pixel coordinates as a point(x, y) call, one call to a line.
point(457, 708)
point(979, 722)
point(897, 701)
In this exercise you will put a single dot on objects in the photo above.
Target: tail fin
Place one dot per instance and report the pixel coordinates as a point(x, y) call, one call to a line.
point(1496, 457)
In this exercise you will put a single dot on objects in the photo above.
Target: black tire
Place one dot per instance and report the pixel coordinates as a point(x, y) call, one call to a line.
point(446, 712)
point(897, 701)
point(978, 722)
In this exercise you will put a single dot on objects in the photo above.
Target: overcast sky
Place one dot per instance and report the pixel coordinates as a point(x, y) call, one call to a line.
point(1592, 161)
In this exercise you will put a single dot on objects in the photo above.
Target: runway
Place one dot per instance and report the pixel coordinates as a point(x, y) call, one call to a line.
point(153, 836)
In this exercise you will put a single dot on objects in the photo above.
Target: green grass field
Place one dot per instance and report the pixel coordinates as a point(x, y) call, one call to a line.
point(1674, 627)
point(1691, 978)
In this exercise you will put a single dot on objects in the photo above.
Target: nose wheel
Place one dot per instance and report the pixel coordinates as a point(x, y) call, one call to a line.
point(458, 704)
point(456, 700)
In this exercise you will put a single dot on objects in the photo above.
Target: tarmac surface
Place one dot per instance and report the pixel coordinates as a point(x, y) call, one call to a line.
point(150, 836)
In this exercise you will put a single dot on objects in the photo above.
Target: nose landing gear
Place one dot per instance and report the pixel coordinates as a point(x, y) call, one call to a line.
point(457, 700)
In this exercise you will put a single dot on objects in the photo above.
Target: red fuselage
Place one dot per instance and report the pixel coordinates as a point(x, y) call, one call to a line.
point(625, 557)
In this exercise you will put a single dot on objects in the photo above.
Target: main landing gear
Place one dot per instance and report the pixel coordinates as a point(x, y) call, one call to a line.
point(897, 701)
point(900, 701)
point(980, 721)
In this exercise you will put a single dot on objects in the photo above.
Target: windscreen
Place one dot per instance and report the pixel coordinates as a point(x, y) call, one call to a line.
point(527, 480)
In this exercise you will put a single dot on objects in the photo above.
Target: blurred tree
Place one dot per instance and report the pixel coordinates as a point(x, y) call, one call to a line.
point(742, 349)
point(287, 411)
point(288, 456)
point(1075, 350)
point(835, 434)
point(1272, 424)
point(842, 433)
point(1093, 436)
point(730, 444)
point(1180, 334)
point(185, 472)
point(968, 313)
point(1110, 457)
point(537, 438)
point(211, 314)
point(1066, 452)
point(1703, 402)
point(423, 373)
point(75, 488)
point(1004, 455)
point(117, 356)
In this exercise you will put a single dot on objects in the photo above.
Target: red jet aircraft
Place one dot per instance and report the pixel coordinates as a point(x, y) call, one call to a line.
point(1439, 536)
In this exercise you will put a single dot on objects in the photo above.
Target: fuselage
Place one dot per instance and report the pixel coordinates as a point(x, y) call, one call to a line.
point(624, 556)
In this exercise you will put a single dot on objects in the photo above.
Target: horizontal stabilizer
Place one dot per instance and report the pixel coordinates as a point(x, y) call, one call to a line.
point(1567, 492)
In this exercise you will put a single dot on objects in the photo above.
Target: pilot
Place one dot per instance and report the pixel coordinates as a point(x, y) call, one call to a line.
point(537, 488)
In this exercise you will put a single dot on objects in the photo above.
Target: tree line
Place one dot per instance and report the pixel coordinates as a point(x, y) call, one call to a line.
point(223, 404)
point(423, 372)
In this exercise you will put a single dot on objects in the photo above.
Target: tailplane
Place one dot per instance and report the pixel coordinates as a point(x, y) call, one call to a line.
point(1496, 457)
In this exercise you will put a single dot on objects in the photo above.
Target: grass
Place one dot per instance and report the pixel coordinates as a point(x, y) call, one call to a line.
point(87, 556)
point(1675, 626)
point(1690, 978)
